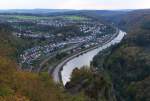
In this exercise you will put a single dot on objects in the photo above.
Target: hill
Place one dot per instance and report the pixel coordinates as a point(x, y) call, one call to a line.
point(128, 64)
point(17, 85)
point(35, 11)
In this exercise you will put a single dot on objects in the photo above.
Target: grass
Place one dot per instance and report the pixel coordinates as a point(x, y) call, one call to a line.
point(75, 17)
point(24, 17)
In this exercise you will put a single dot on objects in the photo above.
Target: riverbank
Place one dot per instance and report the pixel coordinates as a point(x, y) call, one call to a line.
point(56, 74)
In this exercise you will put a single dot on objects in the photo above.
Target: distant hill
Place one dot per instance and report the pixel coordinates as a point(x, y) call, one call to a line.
point(66, 11)
point(35, 11)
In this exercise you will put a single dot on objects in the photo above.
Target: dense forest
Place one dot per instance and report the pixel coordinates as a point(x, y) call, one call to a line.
point(129, 64)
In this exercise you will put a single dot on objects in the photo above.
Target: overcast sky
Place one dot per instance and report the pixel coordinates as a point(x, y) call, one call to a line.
point(74, 4)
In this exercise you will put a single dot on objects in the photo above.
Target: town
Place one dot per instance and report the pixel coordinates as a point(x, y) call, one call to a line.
point(58, 34)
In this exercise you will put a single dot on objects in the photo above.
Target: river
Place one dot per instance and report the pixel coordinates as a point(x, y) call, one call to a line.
point(86, 58)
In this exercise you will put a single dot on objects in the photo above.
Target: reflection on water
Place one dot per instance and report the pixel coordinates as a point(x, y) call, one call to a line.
point(86, 58)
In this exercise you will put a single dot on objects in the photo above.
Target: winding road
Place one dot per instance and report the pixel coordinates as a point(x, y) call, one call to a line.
point(56, 74)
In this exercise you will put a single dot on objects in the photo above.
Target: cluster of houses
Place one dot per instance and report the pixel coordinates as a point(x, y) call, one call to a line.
point(61, 22)
point(91, 29)
point(33, 36)
point(94, 29)
point(87, 26)
point(92, 35)
point(34, 53)
point(37, 52)
point(54, 23)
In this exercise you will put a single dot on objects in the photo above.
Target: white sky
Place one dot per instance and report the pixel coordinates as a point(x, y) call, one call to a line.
point(74, 4)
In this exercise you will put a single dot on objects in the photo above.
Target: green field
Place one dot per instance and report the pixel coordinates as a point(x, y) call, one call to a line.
point(24, 17)
point(75, 17)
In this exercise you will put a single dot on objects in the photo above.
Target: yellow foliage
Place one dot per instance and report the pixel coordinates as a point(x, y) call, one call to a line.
point(14, 98)
point(25, 86)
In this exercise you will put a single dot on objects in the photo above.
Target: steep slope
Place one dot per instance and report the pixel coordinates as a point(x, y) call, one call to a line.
point(128, 64)
point(16, 85)
point(94, 84)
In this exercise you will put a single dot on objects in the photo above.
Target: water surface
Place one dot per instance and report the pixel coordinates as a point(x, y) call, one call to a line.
point(86, 58)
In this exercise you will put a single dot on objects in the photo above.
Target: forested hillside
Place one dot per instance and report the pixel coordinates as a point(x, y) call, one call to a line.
point(16, 85)
point(95, 85)
point(128, 64)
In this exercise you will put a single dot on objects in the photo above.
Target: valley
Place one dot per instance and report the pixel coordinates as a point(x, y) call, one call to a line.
point(55, 35)
point(75, 55)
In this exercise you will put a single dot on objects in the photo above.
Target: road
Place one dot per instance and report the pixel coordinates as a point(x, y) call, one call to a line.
point(56, 72)
point(49, 56)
